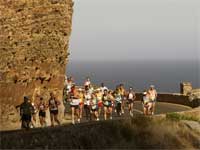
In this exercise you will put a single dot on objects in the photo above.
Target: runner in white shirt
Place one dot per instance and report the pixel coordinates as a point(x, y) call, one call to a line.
point(153, 96)
point(94, 107)
point(74, 103)
point(87, 82)
point(147, 105)
point(69, 84)
point(103, 88)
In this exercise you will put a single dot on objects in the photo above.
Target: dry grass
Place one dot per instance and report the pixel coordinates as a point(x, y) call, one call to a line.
point(140, 132)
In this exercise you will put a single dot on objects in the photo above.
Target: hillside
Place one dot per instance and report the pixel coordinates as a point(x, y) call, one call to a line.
point(139, 132)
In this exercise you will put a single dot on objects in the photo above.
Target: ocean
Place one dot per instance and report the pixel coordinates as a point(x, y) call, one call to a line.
point(165, 75)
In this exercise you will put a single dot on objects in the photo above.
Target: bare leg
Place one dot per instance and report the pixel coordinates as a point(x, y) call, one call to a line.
point(151, 105)
point(110, 112)
point(96, 115)
point(81, 111)
point(33, 122)
point(131, 109)
point(99, 111)
point(78, 114)
point(73, 119)
point(44, 122)
point(153, 108)
point(145, 110)
point(56, 119)
point(105, 113)
point(52, 119)
point(122, 107)
point(41, 121)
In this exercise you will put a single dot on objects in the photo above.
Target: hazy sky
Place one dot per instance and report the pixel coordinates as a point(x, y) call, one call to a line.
point(135, 30)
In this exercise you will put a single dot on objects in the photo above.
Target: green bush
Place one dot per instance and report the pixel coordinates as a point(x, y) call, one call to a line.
point(177, 117)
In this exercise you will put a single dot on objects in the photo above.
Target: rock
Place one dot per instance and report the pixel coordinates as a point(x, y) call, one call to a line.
point(194, 94)
point(192, 125)
point(34, 49)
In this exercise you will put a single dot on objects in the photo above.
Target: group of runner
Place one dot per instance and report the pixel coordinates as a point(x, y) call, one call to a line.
point(87, 100)
point(102, 101)
point(29, 110)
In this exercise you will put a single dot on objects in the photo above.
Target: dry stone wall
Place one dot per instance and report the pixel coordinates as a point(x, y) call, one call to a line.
point(34, 40)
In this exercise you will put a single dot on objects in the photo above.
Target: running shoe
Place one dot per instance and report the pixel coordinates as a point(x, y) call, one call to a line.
point(131, 114)
point(73, 122)
point(122, 111)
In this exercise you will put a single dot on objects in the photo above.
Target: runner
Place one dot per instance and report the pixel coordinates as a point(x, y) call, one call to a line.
point(42, 112)
point(131, 97)
point(103, 87)
point(99, 99)
point(66, 91)
point(73, 91)
point(74, 103)
point(107, 102)
point(94, 107)
point(53, 108)
point(91, 89)
point(81, 103)
point(26, 110)
point(111, 101)
point(118, 102)
point(87, 82)
point(153, 96)
point(33, 120)
point(123, 93)
point(69, 83)
point(87, 100)
point(147, 105)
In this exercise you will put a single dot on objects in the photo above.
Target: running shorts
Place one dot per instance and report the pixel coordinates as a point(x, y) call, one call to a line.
point(42, 113)
point(130, 101)
point(26, 117)
point(54, 112)
point(81, 103)
point(107, 104)
point(75, 106)
point(100, 104)
point(94, 109)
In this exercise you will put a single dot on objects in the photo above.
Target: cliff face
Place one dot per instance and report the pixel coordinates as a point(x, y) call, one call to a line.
point(34, 39)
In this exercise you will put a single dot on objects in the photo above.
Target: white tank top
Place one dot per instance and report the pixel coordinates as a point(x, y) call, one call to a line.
point(41, 107)
point(75, 102)
point(130, 96)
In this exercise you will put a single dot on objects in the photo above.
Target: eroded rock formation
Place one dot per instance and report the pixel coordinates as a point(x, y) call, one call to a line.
point(34, 40)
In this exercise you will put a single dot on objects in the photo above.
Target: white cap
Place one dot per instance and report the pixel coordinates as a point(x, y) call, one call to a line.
point(152, 86)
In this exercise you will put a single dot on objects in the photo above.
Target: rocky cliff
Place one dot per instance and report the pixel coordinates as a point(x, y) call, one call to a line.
point(34, 40)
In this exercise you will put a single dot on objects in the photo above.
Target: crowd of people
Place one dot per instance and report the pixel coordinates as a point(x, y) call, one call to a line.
point(97, 101)
point(87, 101)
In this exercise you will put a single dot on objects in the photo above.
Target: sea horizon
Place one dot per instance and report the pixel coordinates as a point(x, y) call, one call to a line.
point(166, 75)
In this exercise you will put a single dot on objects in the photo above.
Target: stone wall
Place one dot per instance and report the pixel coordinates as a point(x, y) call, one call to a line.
point(34, 40)
point(174, 98)
point(185, 88)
